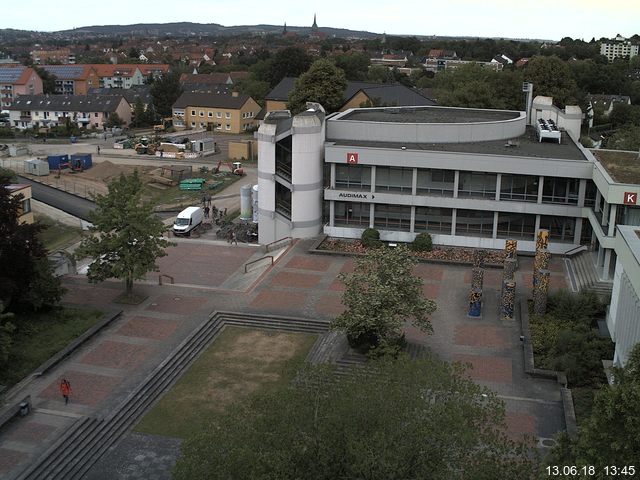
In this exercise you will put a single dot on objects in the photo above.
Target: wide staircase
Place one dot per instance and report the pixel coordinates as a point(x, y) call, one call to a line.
point(586, 277)
point(72, 456)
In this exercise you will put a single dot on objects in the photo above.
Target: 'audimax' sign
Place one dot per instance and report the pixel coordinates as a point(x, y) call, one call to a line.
point(352, 158)
point(363, 196)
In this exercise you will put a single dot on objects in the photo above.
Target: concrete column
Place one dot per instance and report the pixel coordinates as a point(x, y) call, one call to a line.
point(454, 214)
point(333, 179)
point(605, 214)
point(606, 264)
point(540, 188)
point(414, 184)
point(332, 212)
point(537, 225)
point(600, 258)
point(596, 207)
point(498, 185)
point(612, 220)
point(456, 182)
point(373, 180)
point(412, 225)
point(577, 233)
point(494, 233)
point(372, 212)
point(582, 190)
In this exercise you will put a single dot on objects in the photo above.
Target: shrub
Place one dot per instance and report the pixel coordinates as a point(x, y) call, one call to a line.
point(371, 238)
point(422, 243)
point(583, 308)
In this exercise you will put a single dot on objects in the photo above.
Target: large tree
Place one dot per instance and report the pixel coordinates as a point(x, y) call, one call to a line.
point(26, 279)
point(165, 92)
point(380, 296)
point(125, 238)
point(323, 83)
point(288, 62)
point(552, 77)
point(609, 437)
point(397, 419)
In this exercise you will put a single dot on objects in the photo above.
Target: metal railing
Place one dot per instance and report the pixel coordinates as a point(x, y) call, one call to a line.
point(574, 250)
point(258, 260)
point(267, 247)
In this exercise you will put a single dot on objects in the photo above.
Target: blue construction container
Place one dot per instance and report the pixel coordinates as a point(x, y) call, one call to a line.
point(54, 161)
point(85, 158)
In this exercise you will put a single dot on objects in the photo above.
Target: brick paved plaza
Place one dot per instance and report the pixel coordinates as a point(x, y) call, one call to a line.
point(107, 368)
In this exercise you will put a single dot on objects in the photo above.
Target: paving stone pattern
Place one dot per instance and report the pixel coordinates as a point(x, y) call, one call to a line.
point(113, 363)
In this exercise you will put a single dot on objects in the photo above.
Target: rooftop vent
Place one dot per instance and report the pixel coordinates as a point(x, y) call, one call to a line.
point(547, 129)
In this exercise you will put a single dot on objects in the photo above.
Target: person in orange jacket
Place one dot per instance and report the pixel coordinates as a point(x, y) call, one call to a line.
point(65, 389)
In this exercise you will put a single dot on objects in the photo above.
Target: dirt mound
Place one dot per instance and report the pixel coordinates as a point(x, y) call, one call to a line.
point(106, 171)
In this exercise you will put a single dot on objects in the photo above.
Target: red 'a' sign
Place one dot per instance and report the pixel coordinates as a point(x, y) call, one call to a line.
point(630, 198)
point(352, 158)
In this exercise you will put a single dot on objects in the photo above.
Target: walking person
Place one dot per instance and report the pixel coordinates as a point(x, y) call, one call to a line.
point(98, 149)
point(208, 200)
point(233, 238)
point(206, 212)
point(65, 389)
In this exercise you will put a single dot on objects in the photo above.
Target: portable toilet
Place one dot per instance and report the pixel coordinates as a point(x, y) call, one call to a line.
point(35, 166)
point(55, 161)
point(84, 158)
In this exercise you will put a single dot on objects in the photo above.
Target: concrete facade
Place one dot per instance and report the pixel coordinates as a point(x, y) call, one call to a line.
point(623, 318)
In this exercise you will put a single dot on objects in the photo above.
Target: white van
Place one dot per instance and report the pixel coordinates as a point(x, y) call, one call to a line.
point(187, 220)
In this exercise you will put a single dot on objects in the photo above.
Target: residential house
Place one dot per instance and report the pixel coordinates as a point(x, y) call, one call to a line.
point(143, 92)
point(235, 113)
point(128, 75)
point(25, 215)
point(89, 111)
point(391, 60)
point(17, 80)
point(73, 79)
point(502, 59)
point(63, 56)
point(605, 103)
point(436, 65)
point(355, 95)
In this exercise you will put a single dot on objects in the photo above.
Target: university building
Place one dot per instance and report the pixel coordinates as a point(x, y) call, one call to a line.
point(469, 177)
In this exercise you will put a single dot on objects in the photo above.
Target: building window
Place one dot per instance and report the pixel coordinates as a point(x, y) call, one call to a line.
point(394, 179)
point(25, 207)
point(433, 220)
point(475, 223)
point(435, 182)
point(523, 188)
point(193, 113)
point(516, 225)
point(560, 228)
point(392, 217)
point(210, 114)
point(193, 124)
point(560, 190)
point(201, 113)
point(227, 127)
point(218, 115)
point(351, 213)
point(477, 185)
point(218, 126)
point(227, 115)
point(590, 194)
point(356, 177)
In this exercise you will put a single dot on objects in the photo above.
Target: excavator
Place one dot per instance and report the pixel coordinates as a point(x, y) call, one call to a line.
point(236, 169)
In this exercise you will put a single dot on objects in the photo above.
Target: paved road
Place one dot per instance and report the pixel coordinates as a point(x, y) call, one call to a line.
point(71, 204)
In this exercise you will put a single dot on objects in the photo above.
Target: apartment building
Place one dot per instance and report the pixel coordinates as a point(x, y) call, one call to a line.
point(233, 113)
point(619, 47)
point(17, 80)
point(73, 79)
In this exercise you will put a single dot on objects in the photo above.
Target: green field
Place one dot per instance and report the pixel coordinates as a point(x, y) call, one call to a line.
point(57, 236)
point(238, 363)
point(41, 335)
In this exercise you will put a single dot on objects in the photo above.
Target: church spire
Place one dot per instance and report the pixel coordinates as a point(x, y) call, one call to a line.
point(284, 31)
point(315, 24)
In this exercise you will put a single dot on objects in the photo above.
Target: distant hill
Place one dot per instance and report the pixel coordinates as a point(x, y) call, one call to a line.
point(182, 29)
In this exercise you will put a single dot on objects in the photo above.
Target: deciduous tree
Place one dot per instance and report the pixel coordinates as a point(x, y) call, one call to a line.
point(125, 237)
point(323, 83)
point(398, 419)
point(380, 296)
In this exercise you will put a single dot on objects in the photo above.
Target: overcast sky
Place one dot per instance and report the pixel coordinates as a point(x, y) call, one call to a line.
point(544, 19)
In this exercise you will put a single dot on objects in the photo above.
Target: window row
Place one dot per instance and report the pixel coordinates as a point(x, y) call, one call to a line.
point(210, 114)
point(471, 223)
point(522, 188)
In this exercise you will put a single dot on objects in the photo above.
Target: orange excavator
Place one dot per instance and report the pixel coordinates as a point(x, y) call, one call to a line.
point(236, 169)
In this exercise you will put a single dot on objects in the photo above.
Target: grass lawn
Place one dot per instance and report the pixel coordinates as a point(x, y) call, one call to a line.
point(57, 235)
point(238, 363)
point(40, 335)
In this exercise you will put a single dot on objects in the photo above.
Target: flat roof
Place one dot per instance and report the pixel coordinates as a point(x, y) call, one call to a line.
point(428, 115)
point(526, 145)
point(623, 167)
